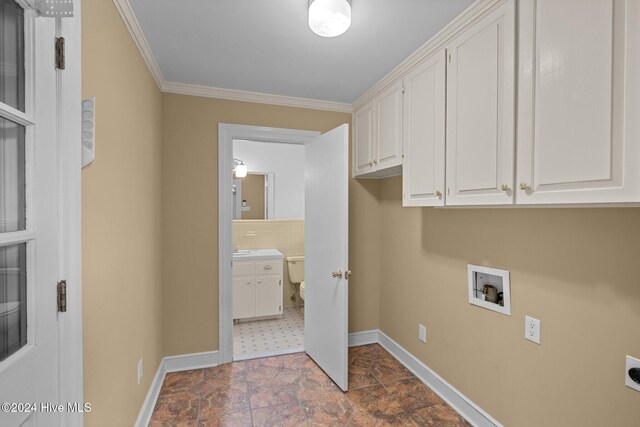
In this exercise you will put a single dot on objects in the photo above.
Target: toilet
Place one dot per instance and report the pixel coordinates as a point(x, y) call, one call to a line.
point(295, 267)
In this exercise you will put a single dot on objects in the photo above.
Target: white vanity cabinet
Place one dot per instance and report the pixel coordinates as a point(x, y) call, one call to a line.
point(579, 102)
point(481, 111)
point(257, 284)
point(377, 146)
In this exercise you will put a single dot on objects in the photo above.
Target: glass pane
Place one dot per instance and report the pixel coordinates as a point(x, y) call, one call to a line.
point(13, 299)
point(12, 177)
point(12, 54)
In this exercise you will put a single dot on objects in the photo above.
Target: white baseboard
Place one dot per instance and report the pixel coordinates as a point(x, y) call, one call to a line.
point(182, 362)
point(364, 338)
point(458, 401)
point(144, 417)
point(186, 362)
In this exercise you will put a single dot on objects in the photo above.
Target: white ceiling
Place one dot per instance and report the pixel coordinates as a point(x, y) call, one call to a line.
point(266, 45)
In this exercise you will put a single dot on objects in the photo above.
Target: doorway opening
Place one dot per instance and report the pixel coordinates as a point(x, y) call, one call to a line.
point(268, 248)
point(261, 212)
point(326, 246)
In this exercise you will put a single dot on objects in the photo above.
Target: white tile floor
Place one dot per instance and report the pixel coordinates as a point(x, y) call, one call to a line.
point(264, 336)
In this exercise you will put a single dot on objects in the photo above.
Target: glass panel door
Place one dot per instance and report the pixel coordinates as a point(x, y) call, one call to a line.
point(12, 74)
point(13, 290)
point(14, 235)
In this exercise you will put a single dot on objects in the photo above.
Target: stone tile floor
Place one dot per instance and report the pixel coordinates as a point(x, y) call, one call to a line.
point(292, 390)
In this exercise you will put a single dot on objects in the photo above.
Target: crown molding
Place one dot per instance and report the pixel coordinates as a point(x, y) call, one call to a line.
point(438, 41)
point(132, 24)
point(257, 97)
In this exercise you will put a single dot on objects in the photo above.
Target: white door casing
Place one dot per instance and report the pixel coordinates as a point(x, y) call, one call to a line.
point(226, 134)
point(326, 251)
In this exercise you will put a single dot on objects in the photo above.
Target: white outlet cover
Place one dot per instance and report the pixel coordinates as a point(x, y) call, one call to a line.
point(422, 333)
point(532, 329)
point(632, 362)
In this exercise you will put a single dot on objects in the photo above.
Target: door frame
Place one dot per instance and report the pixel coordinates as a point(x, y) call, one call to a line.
point(69, 115)
point(226, 134)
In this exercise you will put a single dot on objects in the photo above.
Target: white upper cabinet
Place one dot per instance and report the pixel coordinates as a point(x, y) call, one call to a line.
point(481, 111)
point(363, 141)
point(378, 135)
point(579, 113)
point(424, 133)
point(389, 132)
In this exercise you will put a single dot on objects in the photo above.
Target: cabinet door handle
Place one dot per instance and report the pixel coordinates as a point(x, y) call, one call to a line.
point(504, 187)
point(375, 162)
point(523, 186)
point(267, 267)
point(337, 274)
point(370, 163)
point(438, 194)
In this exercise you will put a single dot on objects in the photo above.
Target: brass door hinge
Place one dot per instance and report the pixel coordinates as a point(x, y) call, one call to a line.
point(62, 296)
point(60, 53)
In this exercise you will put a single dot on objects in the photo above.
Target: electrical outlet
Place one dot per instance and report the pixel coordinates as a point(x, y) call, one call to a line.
point(532, 329)
point(140, 370)
point(632, 363)
point(422, 333)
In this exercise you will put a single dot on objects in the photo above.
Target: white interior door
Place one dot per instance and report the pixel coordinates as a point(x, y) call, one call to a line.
point(29, 261)
point(326, 250)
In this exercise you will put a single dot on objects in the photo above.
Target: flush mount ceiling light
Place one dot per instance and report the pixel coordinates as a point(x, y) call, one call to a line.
point(329, 18)
point(239, 168)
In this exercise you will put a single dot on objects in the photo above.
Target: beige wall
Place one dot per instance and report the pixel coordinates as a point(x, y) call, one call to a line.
point(190, 216)
point(287, 236)
point(575, 269)
point(121, 227)
point(253, 193)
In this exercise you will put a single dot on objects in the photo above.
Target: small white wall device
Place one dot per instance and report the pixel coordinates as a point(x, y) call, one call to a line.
point(88, 131)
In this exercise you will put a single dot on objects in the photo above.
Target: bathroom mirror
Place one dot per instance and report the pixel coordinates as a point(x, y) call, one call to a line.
point(253, 196)
point(273, 188)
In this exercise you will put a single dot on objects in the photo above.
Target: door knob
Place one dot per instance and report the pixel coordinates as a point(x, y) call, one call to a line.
point(347, 274)
point(337, 274)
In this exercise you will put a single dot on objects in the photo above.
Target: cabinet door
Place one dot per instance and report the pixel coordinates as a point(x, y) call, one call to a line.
point(481, 110)
point(268, 295)
point(244, 297)
point(579, 91)
point(388, 110)
point(363, 141)
point(424, 133)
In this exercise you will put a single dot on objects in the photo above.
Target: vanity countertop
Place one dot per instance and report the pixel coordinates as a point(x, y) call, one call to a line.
point(254, 254)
